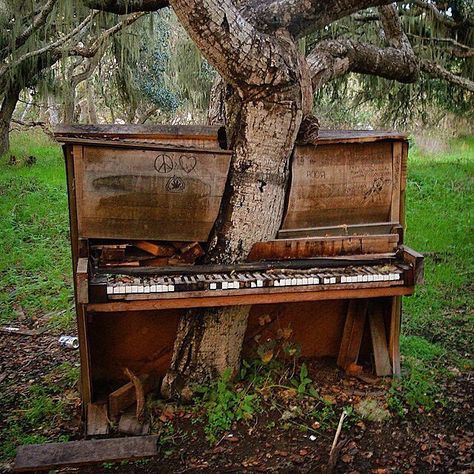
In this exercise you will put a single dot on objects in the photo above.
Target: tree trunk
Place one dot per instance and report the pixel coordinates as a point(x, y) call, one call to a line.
point(10, 99)
point(262, 134)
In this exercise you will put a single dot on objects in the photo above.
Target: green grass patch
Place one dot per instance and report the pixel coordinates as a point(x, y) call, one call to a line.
point(35, 266)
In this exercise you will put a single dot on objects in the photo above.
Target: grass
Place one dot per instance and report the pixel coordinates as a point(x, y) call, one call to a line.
point(35, 269)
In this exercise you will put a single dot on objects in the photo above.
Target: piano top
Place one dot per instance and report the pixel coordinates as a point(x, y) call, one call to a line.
point(131, 134)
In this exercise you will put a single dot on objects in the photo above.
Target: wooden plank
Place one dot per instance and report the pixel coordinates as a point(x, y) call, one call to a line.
point(149, 195)
point(248, 299)
point(352, 334)
point(394, 337)
point(375, 228)
point(158, 250)
point(323, 247)
point(415, 259)
point(340, 184)
point(396, 177)
point(82, 278)
point(123, 397)
point(379, 341)
point(42, 457)
point(97, 422)
point(322, 262)
point(84, 354)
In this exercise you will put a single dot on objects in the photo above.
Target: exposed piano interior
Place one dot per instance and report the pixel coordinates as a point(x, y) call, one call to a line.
point(143, 201)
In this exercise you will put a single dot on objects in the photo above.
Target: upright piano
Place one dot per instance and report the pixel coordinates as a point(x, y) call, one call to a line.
point(143, 201)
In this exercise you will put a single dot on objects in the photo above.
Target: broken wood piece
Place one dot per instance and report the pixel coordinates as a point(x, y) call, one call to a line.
point(158, 250)
point(123, 397)
point(379, 342)
point(97, 421)
point(352, 334)
point(82, 279)
point(36, 457)
point(191, 252)
point(130, 424)
point(139, 393)
point(112, 252)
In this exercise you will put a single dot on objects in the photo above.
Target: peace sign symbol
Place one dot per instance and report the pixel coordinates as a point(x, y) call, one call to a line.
point(163, 164)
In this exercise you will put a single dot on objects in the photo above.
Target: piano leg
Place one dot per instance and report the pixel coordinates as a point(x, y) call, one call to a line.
point(394, 338)
point(378, 334)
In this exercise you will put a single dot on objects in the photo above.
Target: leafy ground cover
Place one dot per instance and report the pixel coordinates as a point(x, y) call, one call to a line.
point(275, 416)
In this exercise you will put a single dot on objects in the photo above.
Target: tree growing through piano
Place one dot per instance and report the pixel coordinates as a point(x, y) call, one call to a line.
point(264, 95)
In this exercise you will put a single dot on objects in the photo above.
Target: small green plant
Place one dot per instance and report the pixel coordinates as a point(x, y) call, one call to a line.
point(303, 383)
point(224, 405)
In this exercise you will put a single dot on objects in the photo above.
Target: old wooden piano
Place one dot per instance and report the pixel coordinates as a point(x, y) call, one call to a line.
point(334, 274)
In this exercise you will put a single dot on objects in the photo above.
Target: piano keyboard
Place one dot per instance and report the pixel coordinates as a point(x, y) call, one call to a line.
point(125, 284)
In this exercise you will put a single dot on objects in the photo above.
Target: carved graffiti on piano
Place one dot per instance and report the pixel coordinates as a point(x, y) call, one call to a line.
point(187, 163)
point(316, 174)
point(163, 164)
point(375, 189)
point(176, 185)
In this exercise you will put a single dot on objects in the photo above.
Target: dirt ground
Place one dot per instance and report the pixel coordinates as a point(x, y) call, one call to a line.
point(438, 441)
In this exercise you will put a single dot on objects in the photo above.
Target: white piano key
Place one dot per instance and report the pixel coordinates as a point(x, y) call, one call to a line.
point(259, 283)
point(253, 284)
point(365, 278)
point(326, 281)
point(311, 281)
point(287, 281)
point(236, 285)
point(276, 283)
point(305, 281)
point(110, 290)
point(293, 282)
point(397, 276)
point(165, 288)
point(225, 285)
point(153, 289)
point(146, 289)
point(159, 288)
point(299, 281)
point(212, 286)
point(170, 288)
point(370, 277)
point(134, 289)
point(140, 289)
point(343, 279)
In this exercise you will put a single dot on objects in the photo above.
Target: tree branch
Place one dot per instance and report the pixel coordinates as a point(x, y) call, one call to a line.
point(439, 72)
point(38, 21)
point(91, 51)
point(243, 55)
point(302, 17)
point(335, 58)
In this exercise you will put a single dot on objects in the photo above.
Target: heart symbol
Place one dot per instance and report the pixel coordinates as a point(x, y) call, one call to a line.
point(187, 163)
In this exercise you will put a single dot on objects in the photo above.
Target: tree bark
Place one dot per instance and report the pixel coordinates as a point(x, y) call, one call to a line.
point(10, 99)
point(268, 91)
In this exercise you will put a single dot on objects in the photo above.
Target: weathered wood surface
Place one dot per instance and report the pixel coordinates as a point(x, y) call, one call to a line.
point(263, 296)
point(43, 457)
point(188, 135)
point(340, 184)
point(148, 195)
point(379, 341)
point(394, 337)
point(374, 228)
point(126, 395)
point(82, 277)
point(97, 421)
point(352, 334)
point(417, 260)
point(286, 249)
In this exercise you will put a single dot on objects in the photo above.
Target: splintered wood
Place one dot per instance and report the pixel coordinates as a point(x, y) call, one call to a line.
point(44, 457)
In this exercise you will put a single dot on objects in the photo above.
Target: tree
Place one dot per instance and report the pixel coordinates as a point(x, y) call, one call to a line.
point(268, 86)
point(35, 35)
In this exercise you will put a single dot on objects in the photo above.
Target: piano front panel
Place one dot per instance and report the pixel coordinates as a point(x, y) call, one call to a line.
point(132, 193)
point(340, 184)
